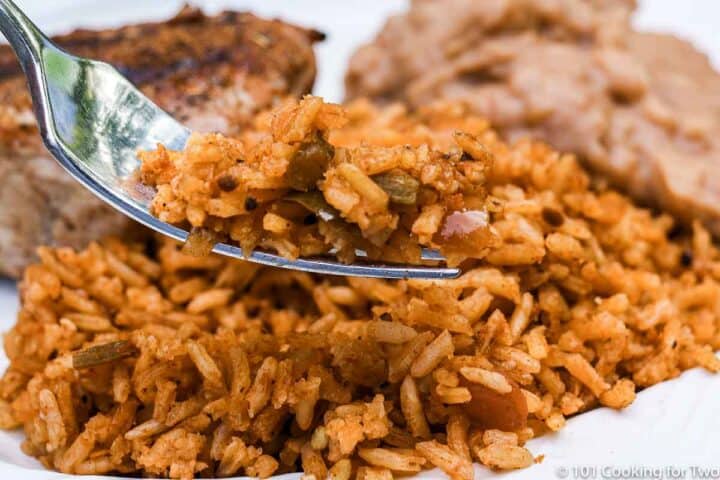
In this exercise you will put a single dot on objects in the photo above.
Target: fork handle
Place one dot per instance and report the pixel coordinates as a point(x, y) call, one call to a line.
point(24, 36)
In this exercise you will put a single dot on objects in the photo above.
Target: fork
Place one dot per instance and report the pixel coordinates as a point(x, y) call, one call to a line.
point(94, 121)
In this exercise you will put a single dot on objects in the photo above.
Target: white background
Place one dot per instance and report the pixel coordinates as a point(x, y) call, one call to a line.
point(674, 424)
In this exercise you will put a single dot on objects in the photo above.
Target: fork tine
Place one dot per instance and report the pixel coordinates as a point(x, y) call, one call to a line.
point(329, 267)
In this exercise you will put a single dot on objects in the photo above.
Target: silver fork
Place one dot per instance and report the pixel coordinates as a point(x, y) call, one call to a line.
point(94, 121)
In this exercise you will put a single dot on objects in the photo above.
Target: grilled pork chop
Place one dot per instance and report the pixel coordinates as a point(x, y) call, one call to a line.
point(211, 73)
point(641, 108)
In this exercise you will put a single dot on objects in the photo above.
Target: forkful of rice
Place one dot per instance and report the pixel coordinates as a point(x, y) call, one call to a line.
point(310, 188)
point(314, 180)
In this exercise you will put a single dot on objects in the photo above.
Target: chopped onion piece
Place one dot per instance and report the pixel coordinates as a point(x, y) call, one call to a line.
point(464, 223)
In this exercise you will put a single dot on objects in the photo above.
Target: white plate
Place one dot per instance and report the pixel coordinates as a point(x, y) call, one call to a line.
point(669, 432)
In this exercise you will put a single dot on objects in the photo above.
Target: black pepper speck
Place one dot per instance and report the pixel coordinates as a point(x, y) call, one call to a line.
point(250, 204)
point(686, 258)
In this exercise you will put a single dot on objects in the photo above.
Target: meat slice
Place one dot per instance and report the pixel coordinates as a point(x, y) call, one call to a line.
point(211, 72)
point(643, 109)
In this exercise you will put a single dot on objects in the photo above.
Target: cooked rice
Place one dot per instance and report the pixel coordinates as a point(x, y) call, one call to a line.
point(145, 360)
point(309, 181)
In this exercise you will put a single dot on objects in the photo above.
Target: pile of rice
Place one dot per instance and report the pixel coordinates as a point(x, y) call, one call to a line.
point(313, 178)
point(144, 360)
